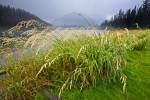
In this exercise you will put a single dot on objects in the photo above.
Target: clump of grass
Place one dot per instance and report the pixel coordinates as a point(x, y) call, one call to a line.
point(141, 42)
point(20, 82)
point(140, 45)
point(93, 59)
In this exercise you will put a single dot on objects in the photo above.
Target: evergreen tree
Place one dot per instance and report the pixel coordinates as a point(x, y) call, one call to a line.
point(10, 16)
point(132, 18)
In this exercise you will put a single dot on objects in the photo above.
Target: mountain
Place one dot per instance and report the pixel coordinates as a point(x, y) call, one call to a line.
point(10, 16)
point(74, 20)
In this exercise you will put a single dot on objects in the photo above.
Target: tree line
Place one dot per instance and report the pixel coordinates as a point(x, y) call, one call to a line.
point(10, 16)
point(139, 17)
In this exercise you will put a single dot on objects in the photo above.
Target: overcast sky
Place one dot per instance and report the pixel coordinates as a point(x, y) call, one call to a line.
point(49, 10)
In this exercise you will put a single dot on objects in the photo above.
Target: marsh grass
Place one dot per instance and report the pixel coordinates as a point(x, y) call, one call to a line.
point(78, 63)
point(100, 57)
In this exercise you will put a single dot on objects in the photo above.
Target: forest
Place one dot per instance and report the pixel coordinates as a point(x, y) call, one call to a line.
point(139, 17)
point(10, 16)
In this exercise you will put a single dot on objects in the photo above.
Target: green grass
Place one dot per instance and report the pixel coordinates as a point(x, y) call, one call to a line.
point(138, 88)
point(108, 66)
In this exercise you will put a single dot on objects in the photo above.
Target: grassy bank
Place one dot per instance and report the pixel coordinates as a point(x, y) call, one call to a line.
point(137, 71)
point(112, 65)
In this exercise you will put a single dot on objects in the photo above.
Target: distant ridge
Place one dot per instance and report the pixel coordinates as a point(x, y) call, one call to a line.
point(74, 19)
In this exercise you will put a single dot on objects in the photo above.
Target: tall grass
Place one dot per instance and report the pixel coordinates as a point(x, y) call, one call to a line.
point(74, 63)
point(100, 57)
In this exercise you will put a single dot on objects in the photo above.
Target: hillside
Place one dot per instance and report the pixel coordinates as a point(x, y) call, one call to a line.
point(10, 16)
point(27, 28)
